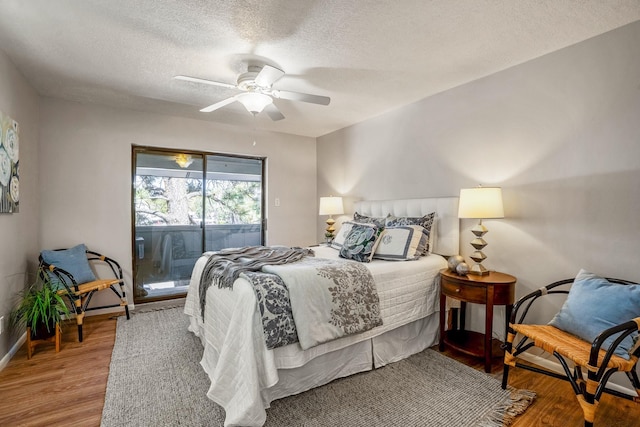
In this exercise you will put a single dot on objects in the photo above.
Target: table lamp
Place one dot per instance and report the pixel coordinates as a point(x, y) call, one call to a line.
point(480, 203)
point(330, 206)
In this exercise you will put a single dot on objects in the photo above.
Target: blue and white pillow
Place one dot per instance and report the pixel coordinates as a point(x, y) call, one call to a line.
point(364, 219)
point(361, 242)
point(341, 235)
point(595, 304)
point(402, 243)
point(426, 222)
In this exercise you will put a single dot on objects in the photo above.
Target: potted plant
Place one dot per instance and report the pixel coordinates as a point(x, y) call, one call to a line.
point(39, 308)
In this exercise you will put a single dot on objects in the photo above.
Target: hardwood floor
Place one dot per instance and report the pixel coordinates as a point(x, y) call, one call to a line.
point(68, 388)
point(65, 388)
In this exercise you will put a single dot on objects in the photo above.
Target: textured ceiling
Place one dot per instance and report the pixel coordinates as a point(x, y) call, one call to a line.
point(368, 56)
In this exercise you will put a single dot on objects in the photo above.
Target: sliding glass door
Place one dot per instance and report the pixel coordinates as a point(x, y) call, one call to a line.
point(185, 204)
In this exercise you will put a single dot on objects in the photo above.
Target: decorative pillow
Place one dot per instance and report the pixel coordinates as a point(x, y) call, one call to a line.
point(401, 243)
point(426, 222)
point(364, 219)
point(341, 235)
point(595, 304)
point(361, 242)
point(73, 260)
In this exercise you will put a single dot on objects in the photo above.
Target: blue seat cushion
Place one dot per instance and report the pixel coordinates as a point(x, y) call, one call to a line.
point(73, 260)
point(595, 304)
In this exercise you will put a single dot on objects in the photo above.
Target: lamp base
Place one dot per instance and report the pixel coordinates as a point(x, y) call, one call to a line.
point(478, 256)
point(329, 233)
point(478, 270)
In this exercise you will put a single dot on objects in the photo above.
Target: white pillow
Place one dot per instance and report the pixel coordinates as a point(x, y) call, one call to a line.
point(401, 243)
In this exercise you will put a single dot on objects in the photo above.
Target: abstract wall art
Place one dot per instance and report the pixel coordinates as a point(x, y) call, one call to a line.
point(9, 165)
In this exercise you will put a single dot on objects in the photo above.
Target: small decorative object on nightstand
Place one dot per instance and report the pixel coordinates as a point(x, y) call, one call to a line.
point(491, 289)
point(330, 206)
point(453, 262)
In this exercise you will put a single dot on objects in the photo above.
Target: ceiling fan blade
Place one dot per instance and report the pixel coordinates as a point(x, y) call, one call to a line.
point(273, 112)
point(217, 105)
point(304, 97)
point(207, 82)
point(268, 76)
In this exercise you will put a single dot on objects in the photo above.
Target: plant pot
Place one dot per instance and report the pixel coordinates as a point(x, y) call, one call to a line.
point(41, 332)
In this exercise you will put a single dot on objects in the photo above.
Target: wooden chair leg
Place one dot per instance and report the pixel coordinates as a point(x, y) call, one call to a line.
point(79, 317)
point(124, 300)
point(587, 401)
point(509, 360)
point(505, 376)
point(58, 337)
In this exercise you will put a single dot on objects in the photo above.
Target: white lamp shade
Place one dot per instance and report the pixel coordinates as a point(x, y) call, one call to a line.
point(254, 102)
point(331, 206)
point(481, 202)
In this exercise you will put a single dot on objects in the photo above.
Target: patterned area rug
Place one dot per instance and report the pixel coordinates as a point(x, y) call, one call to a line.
point(155, 379)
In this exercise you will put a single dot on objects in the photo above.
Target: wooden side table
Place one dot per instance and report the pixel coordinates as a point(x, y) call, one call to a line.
point(493, 289)
point(31, 344)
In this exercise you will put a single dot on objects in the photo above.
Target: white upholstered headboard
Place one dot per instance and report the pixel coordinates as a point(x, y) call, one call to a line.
point(447, 236)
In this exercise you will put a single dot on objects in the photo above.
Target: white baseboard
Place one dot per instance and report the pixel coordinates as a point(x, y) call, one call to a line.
point(7, 357)
point(556, 367)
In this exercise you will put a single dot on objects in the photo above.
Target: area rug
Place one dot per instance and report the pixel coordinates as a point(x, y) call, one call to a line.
point(155, 379)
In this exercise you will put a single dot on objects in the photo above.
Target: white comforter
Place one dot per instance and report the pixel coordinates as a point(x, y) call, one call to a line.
point(236, 359)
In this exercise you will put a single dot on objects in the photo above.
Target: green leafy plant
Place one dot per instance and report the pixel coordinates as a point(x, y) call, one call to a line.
point(39, 306)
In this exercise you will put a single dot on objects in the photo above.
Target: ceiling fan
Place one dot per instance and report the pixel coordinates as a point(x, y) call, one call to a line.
point(257, 92)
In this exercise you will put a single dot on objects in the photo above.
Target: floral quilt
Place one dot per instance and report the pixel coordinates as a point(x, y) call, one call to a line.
point(300, 298)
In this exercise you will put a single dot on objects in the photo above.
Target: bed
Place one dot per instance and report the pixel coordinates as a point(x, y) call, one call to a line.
point(246, 376)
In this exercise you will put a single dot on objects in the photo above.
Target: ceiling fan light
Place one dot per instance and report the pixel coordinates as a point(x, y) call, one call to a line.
point(254, 102)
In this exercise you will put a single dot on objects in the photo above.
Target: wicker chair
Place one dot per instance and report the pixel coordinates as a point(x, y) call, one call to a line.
point(80, 294)
point(598, 363)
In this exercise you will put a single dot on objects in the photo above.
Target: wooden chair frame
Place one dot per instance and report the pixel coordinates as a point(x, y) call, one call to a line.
point(600, 364)
point(80, 295)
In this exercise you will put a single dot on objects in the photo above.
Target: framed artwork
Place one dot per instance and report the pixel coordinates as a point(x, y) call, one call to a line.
point(9, 165)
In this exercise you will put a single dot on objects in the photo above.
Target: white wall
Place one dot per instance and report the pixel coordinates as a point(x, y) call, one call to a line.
point(18, 231)
point(560, 134)
point(85, 179)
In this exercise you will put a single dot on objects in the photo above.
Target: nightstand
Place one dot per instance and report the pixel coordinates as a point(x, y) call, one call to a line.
point(492, 289)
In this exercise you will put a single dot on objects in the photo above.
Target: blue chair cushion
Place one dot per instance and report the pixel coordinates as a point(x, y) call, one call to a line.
point(595, 304)
point(73, 260)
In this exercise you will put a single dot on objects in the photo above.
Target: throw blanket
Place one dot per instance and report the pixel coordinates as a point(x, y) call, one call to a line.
point(224, 267)
point(329, 298)
point(278, 326)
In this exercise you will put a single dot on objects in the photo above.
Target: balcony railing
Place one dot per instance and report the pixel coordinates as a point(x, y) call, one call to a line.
point(169, 252)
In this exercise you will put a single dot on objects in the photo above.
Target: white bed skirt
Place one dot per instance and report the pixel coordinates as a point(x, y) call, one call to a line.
point(378, 351)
